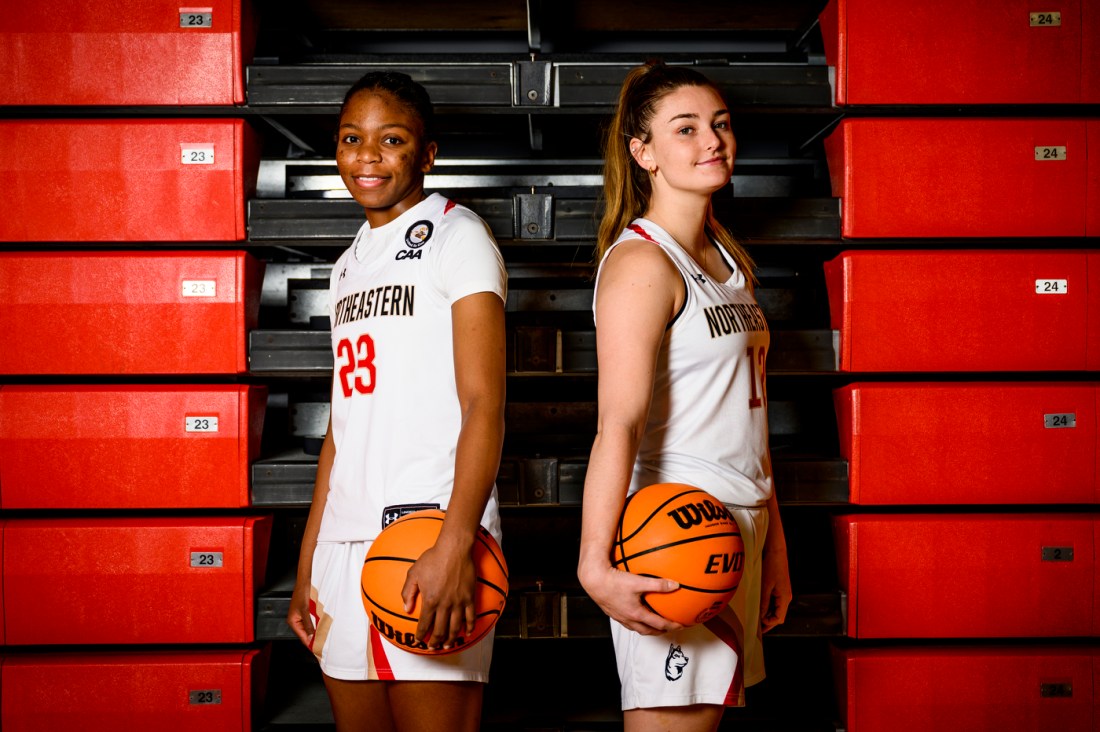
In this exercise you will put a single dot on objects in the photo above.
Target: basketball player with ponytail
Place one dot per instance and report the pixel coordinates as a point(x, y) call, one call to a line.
point(680, 400)
point(417, 421)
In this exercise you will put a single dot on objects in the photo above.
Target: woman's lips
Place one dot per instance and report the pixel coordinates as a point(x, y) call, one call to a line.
point(368, 181)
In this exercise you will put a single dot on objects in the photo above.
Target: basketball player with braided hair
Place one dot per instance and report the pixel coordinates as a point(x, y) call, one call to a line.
point(681, 347)
point(417, 421)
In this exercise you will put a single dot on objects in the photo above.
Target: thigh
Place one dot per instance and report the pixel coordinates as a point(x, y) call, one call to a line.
point(359, 706)
point(695, 718)
point(435, 706)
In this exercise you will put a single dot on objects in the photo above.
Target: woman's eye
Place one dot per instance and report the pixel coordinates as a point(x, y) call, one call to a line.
point(684, 131)
point(724, 125)
point(391, 140)
point(349, 139)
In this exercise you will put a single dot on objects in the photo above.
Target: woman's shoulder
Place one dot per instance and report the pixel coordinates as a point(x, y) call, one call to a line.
point(640, 258)
point(452, 212)
point(459, 222)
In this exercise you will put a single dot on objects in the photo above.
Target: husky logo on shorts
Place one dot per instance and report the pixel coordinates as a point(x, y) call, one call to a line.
point(392, 513)
point(419, 233)
point(675, 662)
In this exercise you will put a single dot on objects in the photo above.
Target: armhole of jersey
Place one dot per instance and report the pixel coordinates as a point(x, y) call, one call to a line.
point(682, 305)
point(728, 259)
point(725, 255)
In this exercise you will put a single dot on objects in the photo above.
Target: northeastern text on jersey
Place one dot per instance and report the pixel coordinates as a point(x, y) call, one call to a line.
point(734, 318)
point(383, 300)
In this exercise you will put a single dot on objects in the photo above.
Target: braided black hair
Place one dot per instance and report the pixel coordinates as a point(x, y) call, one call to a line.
point(404, 89)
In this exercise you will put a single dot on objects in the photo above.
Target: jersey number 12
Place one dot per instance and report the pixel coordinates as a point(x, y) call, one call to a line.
point(759, 395)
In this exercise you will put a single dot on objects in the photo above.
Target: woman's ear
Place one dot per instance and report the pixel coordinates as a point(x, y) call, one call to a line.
point(641, 154)
point(428, 160)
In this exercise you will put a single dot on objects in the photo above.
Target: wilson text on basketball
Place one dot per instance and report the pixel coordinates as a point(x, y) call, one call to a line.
point(693, 514)
point(403, 639)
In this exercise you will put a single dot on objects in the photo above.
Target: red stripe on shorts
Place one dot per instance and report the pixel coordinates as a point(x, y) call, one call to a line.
point(378, 655)
point(732, 637)
point(315, 618)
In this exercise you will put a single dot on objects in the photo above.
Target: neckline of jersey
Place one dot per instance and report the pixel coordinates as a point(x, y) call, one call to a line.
point(358, 246)
point(736, 280)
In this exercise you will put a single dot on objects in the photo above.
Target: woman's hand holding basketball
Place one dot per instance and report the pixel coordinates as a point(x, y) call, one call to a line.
point(444, 578)
point(619, 595)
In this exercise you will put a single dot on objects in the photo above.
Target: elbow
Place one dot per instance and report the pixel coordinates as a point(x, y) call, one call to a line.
point(629, 430)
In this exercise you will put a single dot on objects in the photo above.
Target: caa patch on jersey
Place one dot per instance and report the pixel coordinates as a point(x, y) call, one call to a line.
point(392, 513)
point(419, 233)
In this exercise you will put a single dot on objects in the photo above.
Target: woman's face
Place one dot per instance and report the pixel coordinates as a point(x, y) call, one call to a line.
point(382, 156)
point(691, 145)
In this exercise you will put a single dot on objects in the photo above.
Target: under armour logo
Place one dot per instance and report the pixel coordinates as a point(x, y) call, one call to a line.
point(699, 278)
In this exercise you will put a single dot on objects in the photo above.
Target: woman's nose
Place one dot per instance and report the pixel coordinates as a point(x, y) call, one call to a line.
point(368, 153)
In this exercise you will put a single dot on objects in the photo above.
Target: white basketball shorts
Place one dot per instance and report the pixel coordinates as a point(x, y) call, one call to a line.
point(710, 663)
point(348, 647)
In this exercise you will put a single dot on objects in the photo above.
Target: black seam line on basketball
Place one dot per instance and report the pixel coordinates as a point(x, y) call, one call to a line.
point(690, 540)
point(391, 613)
point(618, 543)
point(655, 511)
point(658, 510)
point(704, 590)
point(503, 569)
point(387, 610)
point(487, 583)
point(624, 559)
point(406, 560)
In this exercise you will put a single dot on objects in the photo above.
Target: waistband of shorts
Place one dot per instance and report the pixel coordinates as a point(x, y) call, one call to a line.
point(761, 507)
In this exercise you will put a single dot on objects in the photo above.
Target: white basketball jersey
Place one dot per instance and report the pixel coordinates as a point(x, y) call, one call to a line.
point(708, 422)
point(395, 410)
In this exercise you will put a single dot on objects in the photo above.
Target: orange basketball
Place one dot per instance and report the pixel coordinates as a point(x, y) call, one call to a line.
point(682, 533)
point(388, 561)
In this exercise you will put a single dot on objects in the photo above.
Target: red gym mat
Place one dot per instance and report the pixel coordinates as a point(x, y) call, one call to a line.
point(121, 447)
point(132, 580)
point(966, 310)
point(969, 575)
point(949, 177)
point(898, 52)
point(127, 312)
point(103, 52)
point(148, 180)
point(167, 691)
point(965, 688)
point(928, 443)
